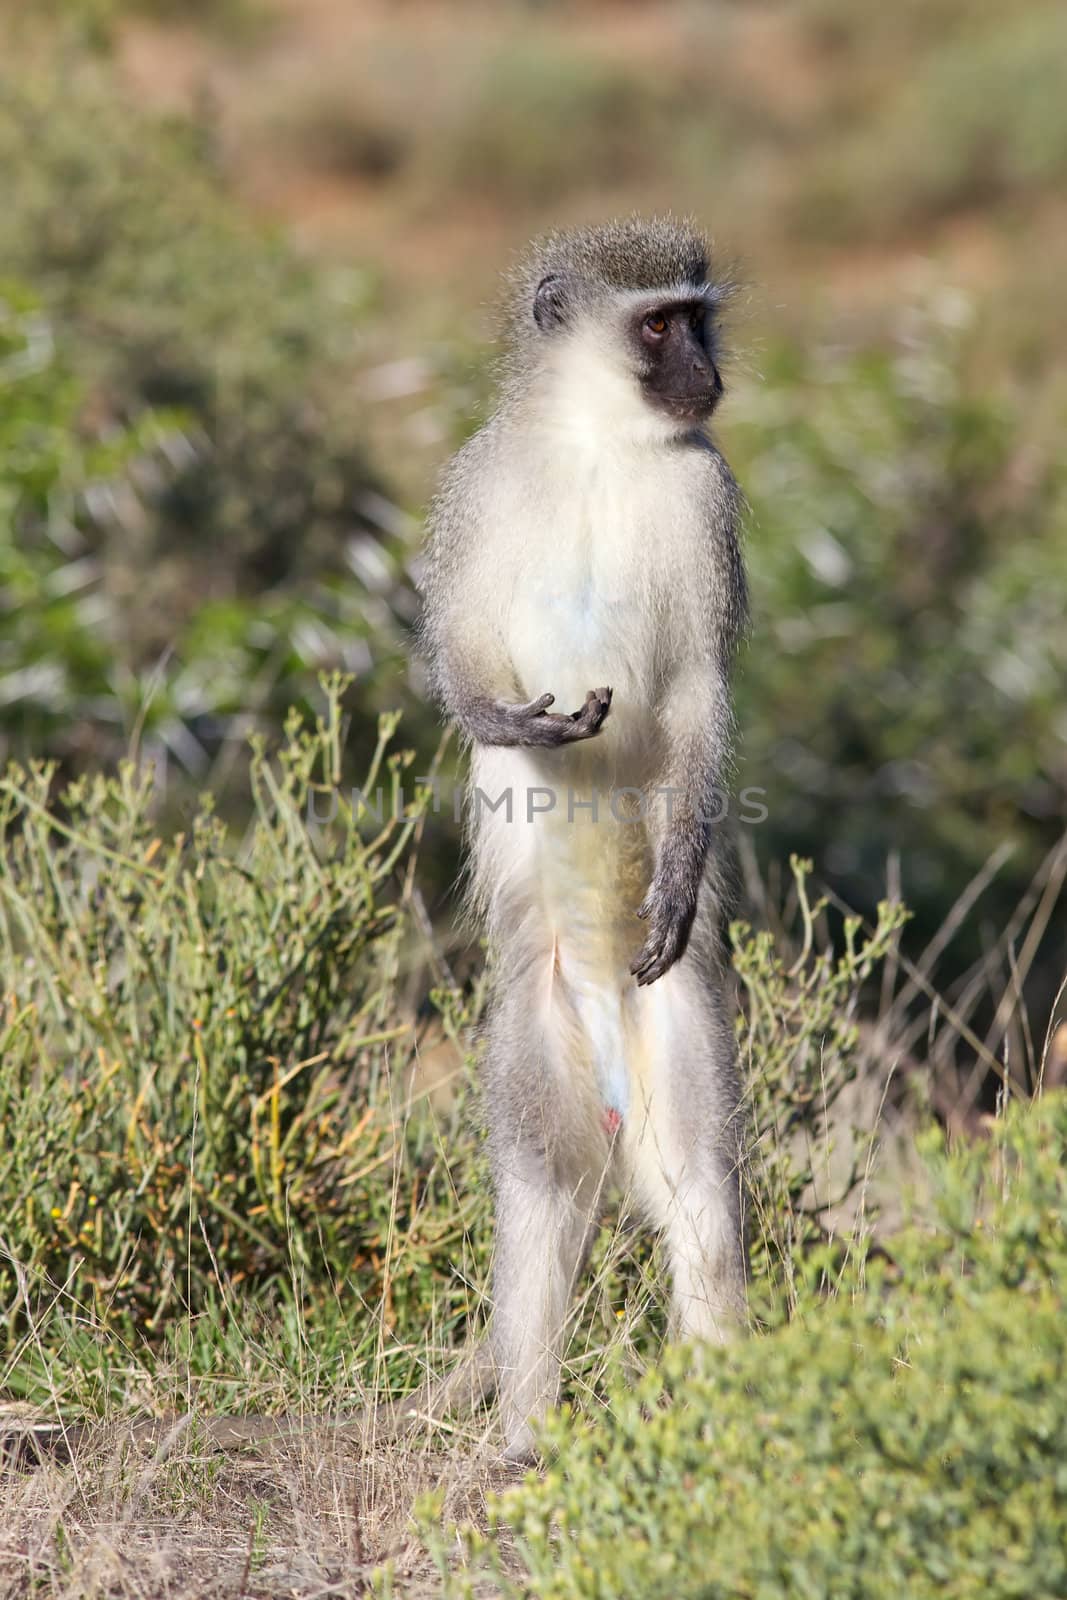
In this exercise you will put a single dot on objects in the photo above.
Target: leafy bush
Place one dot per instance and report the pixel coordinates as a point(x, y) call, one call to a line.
point(800, 1047)
point(904, 1438)
point(206, 1082)
point(200, 1064)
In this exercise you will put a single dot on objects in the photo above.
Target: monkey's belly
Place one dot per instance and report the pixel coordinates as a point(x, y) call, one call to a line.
point(556, 831)
point(563, 882)
point(595, 879)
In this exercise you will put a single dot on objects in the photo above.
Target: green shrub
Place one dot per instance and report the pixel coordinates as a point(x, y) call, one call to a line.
point(904, 1439)
point(205, 1086)
point(62, 636)
point(204, 1070)
point(800, 1047)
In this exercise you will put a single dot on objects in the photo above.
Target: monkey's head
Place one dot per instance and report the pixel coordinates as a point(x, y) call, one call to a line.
point(626, 317)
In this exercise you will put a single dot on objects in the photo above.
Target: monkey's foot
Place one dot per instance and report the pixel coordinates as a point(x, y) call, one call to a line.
point(520, 1452)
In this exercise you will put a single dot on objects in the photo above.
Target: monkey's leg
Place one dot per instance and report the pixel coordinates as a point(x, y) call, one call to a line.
point(548, 1155)
point(540, 1246)
point(687, 1149)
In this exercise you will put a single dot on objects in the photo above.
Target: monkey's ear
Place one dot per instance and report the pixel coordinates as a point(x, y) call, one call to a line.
point(550, 302)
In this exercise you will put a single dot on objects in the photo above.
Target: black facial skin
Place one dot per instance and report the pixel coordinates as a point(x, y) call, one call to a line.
point(673, 342)
point(678, 375)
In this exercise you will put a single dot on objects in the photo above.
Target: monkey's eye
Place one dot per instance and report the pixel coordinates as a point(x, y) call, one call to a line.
point(655, 325)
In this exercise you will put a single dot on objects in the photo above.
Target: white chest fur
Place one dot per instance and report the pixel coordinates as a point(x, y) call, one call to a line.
point(594, 566)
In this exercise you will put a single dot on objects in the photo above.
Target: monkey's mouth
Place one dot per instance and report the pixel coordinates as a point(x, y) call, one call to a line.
point(689, 407)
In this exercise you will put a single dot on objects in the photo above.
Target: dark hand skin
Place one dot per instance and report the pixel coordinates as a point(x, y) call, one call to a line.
point(669, 908)
point(532, 725)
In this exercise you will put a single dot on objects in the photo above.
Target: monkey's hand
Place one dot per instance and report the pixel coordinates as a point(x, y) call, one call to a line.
point(669, 912)
point(534, 724)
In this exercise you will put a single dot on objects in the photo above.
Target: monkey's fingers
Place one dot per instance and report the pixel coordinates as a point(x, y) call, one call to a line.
point(648, 967)
point(590, 719)
point(661, 950)
point(536, 708)
point(583, 710)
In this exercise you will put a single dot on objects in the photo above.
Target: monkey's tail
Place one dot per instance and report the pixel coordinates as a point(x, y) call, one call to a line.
point(470, 1384)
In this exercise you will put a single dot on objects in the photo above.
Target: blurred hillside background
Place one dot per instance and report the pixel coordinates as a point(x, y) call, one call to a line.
point(248, 255)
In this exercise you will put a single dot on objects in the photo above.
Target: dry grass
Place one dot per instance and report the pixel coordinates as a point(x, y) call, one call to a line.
point(307, 1518)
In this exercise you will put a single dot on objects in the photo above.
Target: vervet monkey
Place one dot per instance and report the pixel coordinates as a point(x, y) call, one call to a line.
point(583, 554)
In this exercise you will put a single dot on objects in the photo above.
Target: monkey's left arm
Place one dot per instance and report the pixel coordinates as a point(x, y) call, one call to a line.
point(687, 803)
point(697, 719)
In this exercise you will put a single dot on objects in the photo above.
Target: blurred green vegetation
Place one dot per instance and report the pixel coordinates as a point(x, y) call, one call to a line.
point(53, 649)
point(904, 693)
point(971, 119)
point(94, 22)
point(902, 1437)
point(187, 510)
point(617, 118)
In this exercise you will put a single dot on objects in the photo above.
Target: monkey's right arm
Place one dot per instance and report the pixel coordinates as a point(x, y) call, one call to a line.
point(472, 674)
point(500, 722)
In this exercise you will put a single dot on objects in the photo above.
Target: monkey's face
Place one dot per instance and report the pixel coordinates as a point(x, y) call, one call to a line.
point(674, 345)
point(634, 360)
